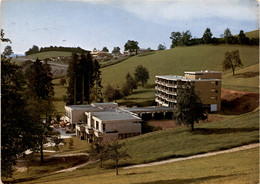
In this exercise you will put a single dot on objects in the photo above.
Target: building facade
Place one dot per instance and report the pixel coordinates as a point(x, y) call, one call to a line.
point(102, 122)
point(207, 85)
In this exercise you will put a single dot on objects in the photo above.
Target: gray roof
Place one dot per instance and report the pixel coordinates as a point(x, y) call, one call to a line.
point(150, 109)
point(83, 107)
point(182, 78)
point(115, 115)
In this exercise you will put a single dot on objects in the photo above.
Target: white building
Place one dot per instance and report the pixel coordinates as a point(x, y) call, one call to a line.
point(102, 122)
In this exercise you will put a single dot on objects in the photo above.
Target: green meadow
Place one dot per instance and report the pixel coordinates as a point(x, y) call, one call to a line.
point(230, 168)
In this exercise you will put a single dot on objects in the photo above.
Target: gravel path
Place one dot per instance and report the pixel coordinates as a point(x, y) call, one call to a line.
point(196, 156)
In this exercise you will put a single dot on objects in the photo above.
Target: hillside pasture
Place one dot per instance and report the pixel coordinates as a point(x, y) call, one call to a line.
point(177, 60)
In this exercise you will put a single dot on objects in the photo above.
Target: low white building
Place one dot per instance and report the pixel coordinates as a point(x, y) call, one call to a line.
point(102, 122)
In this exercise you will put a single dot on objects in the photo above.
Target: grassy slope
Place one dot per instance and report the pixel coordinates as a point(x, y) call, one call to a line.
point(176, 61)
point(234, 131)
point(43, 55)
point(253, 34)
point(246, 79)
point(236, 168)
point(231, 132)
point(180, 59)
point(60, 91)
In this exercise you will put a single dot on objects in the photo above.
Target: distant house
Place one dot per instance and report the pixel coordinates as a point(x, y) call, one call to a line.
point(102, 122)
point(207, 85)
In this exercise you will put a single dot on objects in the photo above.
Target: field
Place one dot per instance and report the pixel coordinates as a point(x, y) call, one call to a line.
point(214, 136)
point(177, 60)
point(235, 168)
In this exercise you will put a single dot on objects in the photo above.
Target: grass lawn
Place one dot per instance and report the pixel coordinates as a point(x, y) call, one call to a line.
point(235, 168)
point(231, 132)
point(246, 79)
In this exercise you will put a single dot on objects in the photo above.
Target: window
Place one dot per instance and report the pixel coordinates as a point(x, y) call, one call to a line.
point(216, 83)
point(216, 91)
point(97, 125)
point(104, 127)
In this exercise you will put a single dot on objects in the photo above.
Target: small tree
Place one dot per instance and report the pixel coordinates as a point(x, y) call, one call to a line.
point(231, 61)
point(161, 47)
point(8, 51)
point(131, 82)
point(207, 36)
point(116, 50)
point(189, 107)
point(141, 74)
point(63, 81)
point(132, 46)
point(105, 49)
point(98, 151)
point(117, 152)
point(125, 90)
point(111, 93)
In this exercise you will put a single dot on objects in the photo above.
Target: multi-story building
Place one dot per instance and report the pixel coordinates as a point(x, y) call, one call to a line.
point(207, 85)
point(102, 122)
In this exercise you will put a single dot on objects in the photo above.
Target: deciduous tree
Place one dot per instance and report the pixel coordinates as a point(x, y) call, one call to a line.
point(161, 47)
point(99, 151)
point(189, 107)
point(8, 51)
point(116, 153)
point(232, 61)
point(141, 74)
point(132, 46)
point(105, 49)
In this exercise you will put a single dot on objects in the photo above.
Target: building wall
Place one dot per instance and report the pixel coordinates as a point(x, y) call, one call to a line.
point(203, 75)
point(208, 90)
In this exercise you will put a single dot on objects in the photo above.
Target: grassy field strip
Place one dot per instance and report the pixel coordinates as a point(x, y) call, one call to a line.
point(196, 156)
point(231, 168)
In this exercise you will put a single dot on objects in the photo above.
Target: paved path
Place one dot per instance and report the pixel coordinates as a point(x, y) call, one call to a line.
point(76, 167)
point(196, 156)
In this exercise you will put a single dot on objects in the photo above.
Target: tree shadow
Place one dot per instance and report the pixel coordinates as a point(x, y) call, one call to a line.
point(208, 131)
point(190, 180)
point(247, 74)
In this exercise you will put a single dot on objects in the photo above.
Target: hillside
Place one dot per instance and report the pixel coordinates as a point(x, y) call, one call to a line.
point(253, 34)
point(176, 61)
point(48, 54)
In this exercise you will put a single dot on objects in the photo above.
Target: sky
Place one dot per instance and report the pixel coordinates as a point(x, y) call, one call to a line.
point(93, 24)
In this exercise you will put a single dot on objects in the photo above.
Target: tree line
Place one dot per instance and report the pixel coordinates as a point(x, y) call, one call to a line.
point(35, 49)
point(185, 39)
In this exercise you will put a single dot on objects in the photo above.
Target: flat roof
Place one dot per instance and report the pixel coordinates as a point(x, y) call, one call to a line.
point(150, 109)
point(82, 107)
point(202, 72)
point(182, 78)
point(115, 115)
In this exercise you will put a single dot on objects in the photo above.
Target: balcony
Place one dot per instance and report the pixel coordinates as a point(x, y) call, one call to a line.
point(97, 133)
point(89, 130)
point(80, 127)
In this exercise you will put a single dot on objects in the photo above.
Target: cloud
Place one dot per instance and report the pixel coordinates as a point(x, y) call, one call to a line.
point(163, 11)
